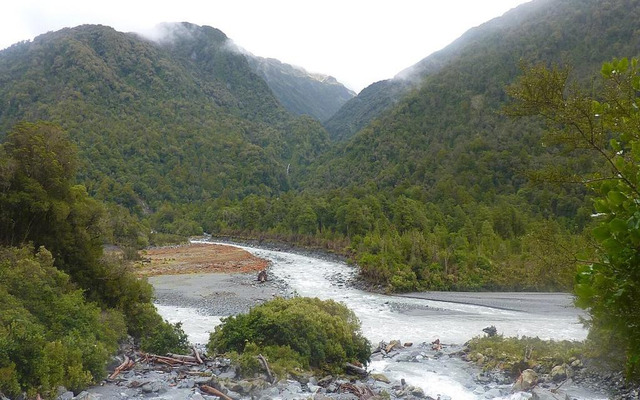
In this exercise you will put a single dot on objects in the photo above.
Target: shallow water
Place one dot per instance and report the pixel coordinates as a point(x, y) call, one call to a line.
point(453, 318)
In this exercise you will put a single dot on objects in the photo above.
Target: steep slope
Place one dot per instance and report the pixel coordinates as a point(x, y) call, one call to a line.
point(379, 97)
point(179, 120)
point(301, 92)
point(451, 128)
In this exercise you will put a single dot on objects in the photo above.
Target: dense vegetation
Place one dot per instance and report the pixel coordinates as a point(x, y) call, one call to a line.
point(425, 186)
point(293, 333)
point(301, 92)
point(64, 305)
point(179, 121)
point(604, 123)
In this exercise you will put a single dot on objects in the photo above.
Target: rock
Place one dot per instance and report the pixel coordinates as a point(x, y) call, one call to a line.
point(155, 386)
point(187, 383)
point(234, 395)
point(416, 391)
point(478, 390)
point(64, 394)
point(527, 380)
point(408, 344)
point(84, 395)
point(492, 393)
point(315, 388)
point(559, 373)
point(490, 330)
point(380, 378)
point(545, 394)
point(576, 364)
point(196, 396)
point(229, 374)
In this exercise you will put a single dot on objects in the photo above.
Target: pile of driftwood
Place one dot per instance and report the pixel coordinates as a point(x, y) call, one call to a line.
point(172, 360)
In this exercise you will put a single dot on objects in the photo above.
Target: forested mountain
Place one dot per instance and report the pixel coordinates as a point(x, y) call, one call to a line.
point(184, 119)
point(451, 127)
point(437, 192)
point(427, 184)
point(299, 91)
point(540, 30)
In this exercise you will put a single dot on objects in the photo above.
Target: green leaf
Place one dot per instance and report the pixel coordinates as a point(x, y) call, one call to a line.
point(618, 225)
point(602, 232)
point(616, 197)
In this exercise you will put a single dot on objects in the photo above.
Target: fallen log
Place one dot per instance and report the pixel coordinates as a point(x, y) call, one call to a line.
point(167, 360)
point(182, 357)
point(265, 364)
point(214, 392)
point(197, 354)
point(126, 365)
point(355, 370)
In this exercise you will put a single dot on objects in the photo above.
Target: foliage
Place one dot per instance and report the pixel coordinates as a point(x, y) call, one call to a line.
point(193, 120)
point(295, 332)
point(605, 123)
point(65, 307)
point(517, 354)
point(50, 335)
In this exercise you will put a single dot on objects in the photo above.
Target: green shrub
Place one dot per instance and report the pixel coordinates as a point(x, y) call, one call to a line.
point(49, 334)
point(299, 332)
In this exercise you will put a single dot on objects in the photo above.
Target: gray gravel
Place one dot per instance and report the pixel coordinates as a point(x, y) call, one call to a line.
point(533, 303)
point(216, 294)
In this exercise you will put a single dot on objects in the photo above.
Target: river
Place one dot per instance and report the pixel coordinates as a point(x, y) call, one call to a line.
point(453, 318)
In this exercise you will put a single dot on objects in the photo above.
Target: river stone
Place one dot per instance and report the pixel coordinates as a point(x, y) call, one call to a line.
point(64, 394)
point(154, 386)
point(527, 379)
point(187, 384)
point(84, 395)
point(559, 373)
point(492, 393)
point(545, 394)
point(380, 378)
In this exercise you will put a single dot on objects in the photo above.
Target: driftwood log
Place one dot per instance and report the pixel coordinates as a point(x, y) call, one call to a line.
point(126, 365)
point(355, 370)
point(214, 392)
point(196, 353)
point(171, 361)
point(265, 364)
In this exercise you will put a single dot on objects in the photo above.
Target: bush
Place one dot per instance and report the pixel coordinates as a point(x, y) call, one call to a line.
point(49, 334)
point(292, 333)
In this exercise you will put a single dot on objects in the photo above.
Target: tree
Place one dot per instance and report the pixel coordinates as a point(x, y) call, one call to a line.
point(606, 123)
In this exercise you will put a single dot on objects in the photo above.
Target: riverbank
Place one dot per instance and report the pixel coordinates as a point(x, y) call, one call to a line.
point(445, 372)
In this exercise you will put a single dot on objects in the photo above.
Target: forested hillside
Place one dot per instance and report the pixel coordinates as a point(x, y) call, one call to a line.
point(443, 191)
point(180, 121)
point(436, 192)
point(301, 92)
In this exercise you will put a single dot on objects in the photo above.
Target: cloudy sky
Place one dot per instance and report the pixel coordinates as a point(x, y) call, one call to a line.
point(357, 41)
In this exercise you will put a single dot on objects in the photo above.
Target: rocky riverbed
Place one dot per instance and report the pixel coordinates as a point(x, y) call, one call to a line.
point(228, 294)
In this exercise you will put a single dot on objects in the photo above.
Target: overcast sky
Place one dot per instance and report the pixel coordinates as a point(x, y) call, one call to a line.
point(357, 41)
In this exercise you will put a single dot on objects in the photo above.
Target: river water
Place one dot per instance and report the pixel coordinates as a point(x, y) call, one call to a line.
point(453, 318)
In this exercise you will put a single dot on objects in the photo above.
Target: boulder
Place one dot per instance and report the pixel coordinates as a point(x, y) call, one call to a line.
point(380, 378)
point(527, 380)
point(559, 373)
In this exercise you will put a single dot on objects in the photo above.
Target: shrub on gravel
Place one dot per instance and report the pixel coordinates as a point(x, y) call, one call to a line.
point(298, 332)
